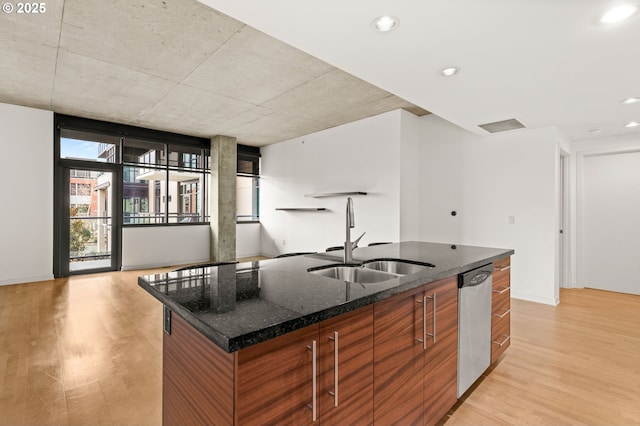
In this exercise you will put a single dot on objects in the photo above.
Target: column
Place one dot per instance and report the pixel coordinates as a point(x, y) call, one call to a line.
point(222, 199)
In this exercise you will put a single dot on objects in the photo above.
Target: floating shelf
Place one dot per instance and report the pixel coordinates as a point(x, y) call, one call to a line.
point(335, 194)
point(301, 209)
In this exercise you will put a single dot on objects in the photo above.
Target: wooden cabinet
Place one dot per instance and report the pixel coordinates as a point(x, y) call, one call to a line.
point(441, 363)
point(346, 369)
point(398, 360)
point(394, 362)
point(197, 378)
point(275, 379)
point(501, 308)
point(415, 361)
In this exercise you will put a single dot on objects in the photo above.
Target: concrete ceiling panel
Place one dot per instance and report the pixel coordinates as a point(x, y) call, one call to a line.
point(28, 50)
point(276, 127)
point(167, 39)
point(33, 28)
point(333, 94)
point(195, 111)
point(91, 88)
point(243, 119)
point(255, 67)
point(27, 75)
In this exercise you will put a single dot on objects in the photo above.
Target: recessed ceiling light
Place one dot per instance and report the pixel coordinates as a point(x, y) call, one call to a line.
point(595, 131)
point(618, 13)
point(448, 72)
point(385, 23)
point(630, 101)
point(632, 124)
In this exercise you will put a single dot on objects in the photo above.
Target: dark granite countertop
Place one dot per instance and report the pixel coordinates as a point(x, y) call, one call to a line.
point(239, 305)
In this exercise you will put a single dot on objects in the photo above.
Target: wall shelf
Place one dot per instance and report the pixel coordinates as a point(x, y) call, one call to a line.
point(335, 194)
point(301, 209)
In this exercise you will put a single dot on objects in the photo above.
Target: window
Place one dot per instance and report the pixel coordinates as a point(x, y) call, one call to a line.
point(81, 145)
point(135, 197)
point(248, 184)
point(164, 176)
point(167, 179)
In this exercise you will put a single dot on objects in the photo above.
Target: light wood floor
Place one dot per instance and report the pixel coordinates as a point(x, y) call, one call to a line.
point(86, 350)
point(577, 363)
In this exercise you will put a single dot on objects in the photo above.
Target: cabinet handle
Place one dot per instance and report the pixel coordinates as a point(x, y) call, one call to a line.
point(435, 307)
point(504, 268)
point(424, 323)
point(506, 312)
point(506, 339)
point(504, 290)
point(314, 404)
point(335, 368)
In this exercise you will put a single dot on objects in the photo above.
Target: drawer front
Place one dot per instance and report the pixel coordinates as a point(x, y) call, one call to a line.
point(501, 300)
point(501, 280)
point(501, 264)
point(500, 335)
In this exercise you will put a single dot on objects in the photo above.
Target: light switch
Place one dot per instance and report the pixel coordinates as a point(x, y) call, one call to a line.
point(512, 220)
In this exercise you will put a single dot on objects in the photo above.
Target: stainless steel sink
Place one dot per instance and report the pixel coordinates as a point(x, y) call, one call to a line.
point(397, 266)
point(352, 273)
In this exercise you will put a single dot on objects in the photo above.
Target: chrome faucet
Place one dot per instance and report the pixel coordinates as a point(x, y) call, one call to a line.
point(348, 245)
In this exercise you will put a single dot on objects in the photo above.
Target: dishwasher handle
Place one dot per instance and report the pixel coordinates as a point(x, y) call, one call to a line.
point(475, 277)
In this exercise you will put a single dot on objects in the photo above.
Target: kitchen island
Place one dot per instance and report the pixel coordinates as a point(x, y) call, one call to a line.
point(269, 342)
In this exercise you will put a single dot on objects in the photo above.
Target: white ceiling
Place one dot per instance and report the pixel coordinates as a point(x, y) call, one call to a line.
point(544, 62)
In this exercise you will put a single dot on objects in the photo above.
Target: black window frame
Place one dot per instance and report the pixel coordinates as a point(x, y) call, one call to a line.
point(248, 165)
point(124, 132)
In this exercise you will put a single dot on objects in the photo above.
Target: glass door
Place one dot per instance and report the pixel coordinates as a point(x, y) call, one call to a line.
point(90, 220)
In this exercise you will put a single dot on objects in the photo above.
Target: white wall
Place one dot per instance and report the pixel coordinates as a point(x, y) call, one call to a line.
point(158, 246)
point(624, 143)
point(417, 171)
point(610, 228)
point(410, 139)
point(26, 210)
point(248, 240)
point(153, 247)
point(359, 156)
point(487, 180)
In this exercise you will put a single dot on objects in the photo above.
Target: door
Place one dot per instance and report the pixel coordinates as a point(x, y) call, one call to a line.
point(610, 225)
point(562, 255)
point(90, 220)
point(89, 237)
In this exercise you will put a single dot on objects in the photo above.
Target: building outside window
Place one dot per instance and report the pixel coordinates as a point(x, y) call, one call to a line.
point(157, 191)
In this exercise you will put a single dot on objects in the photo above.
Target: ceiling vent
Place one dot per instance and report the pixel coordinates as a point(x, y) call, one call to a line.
point(502, 126)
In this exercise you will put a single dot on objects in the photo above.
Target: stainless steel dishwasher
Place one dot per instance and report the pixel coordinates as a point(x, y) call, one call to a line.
point(474, 325)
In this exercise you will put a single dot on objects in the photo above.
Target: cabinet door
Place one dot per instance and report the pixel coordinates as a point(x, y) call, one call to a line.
point(441, 362)
point(274, 381)
point(346, 369)
point(398, 360)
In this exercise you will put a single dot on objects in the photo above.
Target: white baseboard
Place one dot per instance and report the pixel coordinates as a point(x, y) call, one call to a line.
point(537, 299)
point(25, 280)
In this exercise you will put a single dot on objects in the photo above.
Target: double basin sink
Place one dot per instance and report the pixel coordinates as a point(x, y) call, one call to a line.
point(371, 271)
